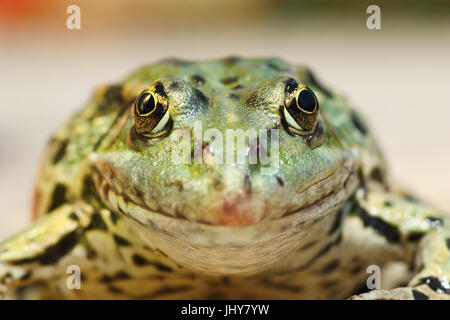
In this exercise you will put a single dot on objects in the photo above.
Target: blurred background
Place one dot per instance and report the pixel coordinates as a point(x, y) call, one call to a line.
point(398, 76)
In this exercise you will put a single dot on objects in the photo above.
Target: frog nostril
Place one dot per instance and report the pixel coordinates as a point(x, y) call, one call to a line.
point(247, 184)
point(280, 181)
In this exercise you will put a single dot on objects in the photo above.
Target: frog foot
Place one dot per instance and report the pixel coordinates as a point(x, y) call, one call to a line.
point(5, 281)
point(9, 277)
point(422, 292)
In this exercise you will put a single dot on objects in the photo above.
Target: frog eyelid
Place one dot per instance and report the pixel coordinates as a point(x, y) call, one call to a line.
point(162, 123)
point(290, 120)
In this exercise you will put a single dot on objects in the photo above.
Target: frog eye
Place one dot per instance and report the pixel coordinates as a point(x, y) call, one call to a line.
point(146, 103)
point(151, 111)
point(301, 108)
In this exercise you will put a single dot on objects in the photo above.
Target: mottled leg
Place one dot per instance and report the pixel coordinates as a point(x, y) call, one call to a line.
point(422, 232)
point(31, 259)
point(111, 261)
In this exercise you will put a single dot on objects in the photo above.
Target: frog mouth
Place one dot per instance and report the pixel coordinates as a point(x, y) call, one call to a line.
point(330, 190)
point(228, 250)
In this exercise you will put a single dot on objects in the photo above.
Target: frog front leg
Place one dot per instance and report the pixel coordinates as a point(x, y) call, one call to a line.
point(111, 260)
point(421, 232)
point(74, 243)
point(33, 257)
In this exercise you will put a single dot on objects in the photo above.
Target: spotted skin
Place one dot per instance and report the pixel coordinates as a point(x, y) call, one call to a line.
point(112, 201)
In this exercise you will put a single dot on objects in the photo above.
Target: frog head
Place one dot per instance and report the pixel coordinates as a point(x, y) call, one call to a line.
point(235, 158)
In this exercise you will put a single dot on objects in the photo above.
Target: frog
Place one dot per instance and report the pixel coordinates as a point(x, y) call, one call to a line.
point(134, 199)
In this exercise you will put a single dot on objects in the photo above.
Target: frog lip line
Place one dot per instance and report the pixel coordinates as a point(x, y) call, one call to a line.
point(111, 196)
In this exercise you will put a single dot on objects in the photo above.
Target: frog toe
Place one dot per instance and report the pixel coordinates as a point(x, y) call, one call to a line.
point(422, 292)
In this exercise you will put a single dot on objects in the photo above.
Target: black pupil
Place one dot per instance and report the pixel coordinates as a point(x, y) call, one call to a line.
point(146, 103)
point(307, 101)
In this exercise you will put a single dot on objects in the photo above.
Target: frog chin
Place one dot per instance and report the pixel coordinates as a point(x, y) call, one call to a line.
point(227, 250)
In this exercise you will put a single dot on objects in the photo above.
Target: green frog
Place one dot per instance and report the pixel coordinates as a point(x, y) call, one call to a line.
point(223, 179)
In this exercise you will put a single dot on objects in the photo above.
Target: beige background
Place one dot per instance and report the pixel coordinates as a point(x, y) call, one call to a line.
point(398, 76)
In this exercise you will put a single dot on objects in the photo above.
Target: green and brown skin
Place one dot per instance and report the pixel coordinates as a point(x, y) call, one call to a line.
point(113, 202)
